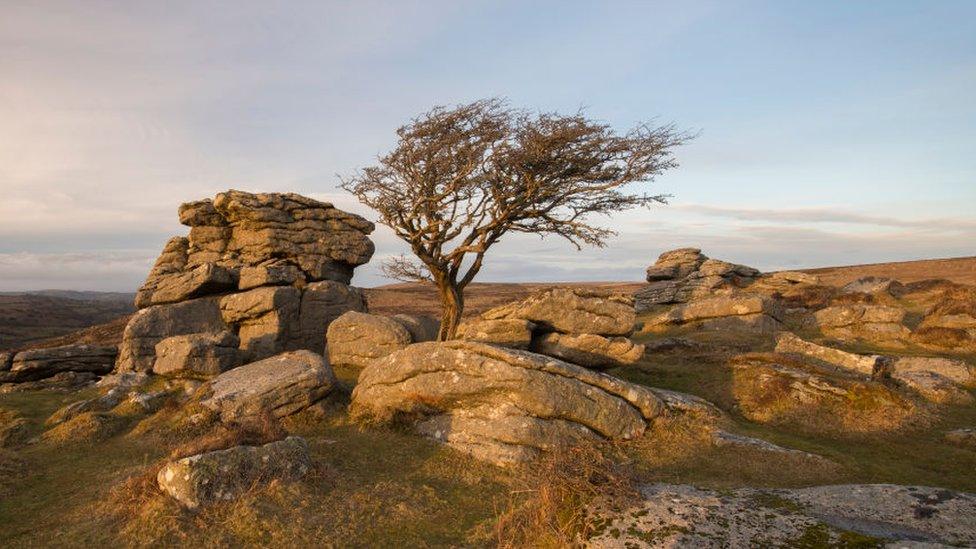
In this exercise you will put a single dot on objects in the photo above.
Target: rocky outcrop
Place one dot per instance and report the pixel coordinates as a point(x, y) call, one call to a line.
point(355, 339)
point(589, 350)
point(858, 322)
point(686, 274)
point(770, 388)
point(675, 264)
point(868, 515)
point(223, 475)
point(271, 268)
point(868, 285)
point(875, 366)
point(39, 364)
point(278, 386)
point(572, 311)
point(578, 325)
point(270, 238)
point(501, 405)
point(933, 387)
point(515, 333)
point(729, 312)
point(957, 371)
point(149, 326)
point(950, 323)
point(197, 355)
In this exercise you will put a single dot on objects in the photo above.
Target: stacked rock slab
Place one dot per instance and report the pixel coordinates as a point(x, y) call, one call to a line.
point(871, 323)
point(39, 364)
point(684, 274)
point(723, 312)
point(582, 326)
point(501, 405)
point(272, 269)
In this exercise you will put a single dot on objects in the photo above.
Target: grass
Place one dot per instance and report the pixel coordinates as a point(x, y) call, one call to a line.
point(387, 487)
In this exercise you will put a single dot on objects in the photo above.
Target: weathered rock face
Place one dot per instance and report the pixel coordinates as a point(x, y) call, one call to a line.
point(515, 333)
point(273, 238)
point(279, 386)
point(268, 321)
point(957, 371)
point(868, 365)
point(37, 364)
point(873, 323)
point(151, 325)
point(750, 312)
point(950, 324)
point(868, 285)
point(356, 339)
point(272, 268)
point(589, 350)
point(498, 404)
point(774, 389)
point(197, 355)
point(685, 274)
point(572, 310)
point(61, 382)
point(675, 264)
point(223, 475)
point(323, 302)
point(421, 327)
point(883, 514)
point(933, 387)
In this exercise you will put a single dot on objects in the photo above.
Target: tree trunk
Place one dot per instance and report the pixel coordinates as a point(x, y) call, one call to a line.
point(452, 305)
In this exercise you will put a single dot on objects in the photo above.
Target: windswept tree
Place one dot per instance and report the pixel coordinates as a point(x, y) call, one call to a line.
point(460, 179)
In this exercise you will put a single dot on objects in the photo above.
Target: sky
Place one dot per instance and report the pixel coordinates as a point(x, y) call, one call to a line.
point(830, 132)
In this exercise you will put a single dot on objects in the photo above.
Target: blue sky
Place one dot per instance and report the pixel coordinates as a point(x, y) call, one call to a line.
point(831, 132)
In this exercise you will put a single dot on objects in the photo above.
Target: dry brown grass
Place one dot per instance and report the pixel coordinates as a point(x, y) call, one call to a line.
point(943, 338)
point(257, 431)
point(85, 428)
point(551, 507)
point(681, 450)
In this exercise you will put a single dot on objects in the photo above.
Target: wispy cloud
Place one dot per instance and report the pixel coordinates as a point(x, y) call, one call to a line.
point(827, 215)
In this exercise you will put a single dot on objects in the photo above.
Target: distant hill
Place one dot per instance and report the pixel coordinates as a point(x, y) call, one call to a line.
point(27, 318)
point(80, 295)
point(961, 270)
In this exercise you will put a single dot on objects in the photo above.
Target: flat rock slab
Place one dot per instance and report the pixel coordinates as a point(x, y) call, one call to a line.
point(278, 386)
point(573, 311)
point(37, 364)
point(590, 350)
point(870, 514)
point(867, 365)
point(515, 333)
point(224, 475)
point(501, 405)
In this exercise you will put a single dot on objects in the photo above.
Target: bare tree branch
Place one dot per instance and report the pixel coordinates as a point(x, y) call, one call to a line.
point(460, 179)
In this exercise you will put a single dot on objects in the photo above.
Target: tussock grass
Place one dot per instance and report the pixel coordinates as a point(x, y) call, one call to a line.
point(551, 508)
